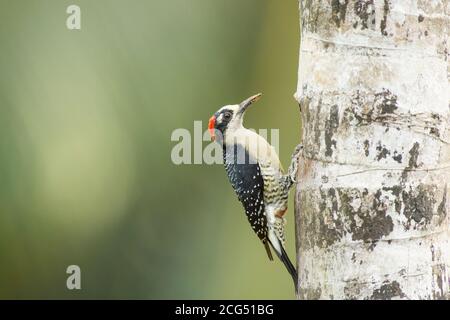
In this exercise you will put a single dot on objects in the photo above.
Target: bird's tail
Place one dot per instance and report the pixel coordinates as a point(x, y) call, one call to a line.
point(281, 253)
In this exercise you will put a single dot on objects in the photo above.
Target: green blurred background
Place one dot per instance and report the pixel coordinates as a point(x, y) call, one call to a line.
point(86, 117)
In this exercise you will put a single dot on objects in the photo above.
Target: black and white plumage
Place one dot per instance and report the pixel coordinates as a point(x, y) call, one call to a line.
point(257, 177)
point(248, 183)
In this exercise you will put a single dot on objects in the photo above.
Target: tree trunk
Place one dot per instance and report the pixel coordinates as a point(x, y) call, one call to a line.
point(371, 201)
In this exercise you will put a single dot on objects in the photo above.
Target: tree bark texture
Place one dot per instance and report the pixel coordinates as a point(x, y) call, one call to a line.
point(372, 197)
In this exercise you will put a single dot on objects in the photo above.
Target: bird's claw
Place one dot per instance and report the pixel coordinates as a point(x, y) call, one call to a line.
point(294, 163)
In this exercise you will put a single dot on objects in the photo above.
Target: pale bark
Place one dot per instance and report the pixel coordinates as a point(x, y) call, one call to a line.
point(372, 197)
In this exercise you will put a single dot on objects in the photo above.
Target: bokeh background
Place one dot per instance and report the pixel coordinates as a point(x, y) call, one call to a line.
point(86, 118)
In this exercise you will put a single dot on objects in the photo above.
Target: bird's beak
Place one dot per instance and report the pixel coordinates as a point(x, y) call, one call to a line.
point(211, 127)
point(247, 102)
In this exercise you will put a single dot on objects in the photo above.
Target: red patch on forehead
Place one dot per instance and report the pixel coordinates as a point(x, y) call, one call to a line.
point(211, 127)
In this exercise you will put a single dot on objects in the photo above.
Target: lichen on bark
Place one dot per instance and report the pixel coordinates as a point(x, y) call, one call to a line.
point(371, 201)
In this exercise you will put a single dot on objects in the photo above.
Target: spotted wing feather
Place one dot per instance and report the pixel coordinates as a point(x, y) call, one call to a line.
point(247, 181)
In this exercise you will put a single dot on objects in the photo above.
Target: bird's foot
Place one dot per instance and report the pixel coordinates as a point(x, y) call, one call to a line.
point(292, 171)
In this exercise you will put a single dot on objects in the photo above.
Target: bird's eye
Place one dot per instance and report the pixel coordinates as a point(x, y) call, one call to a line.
point(227, 116)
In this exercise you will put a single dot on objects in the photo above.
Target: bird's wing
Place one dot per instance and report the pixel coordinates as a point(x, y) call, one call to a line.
point(247, 181)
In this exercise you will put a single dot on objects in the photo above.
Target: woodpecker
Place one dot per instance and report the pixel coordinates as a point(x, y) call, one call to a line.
point(257, 177)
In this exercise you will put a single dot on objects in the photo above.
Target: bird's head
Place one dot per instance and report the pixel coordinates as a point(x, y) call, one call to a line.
point(229, 118)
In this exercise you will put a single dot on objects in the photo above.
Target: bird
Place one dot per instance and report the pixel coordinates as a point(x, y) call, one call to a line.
point(257, 177)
